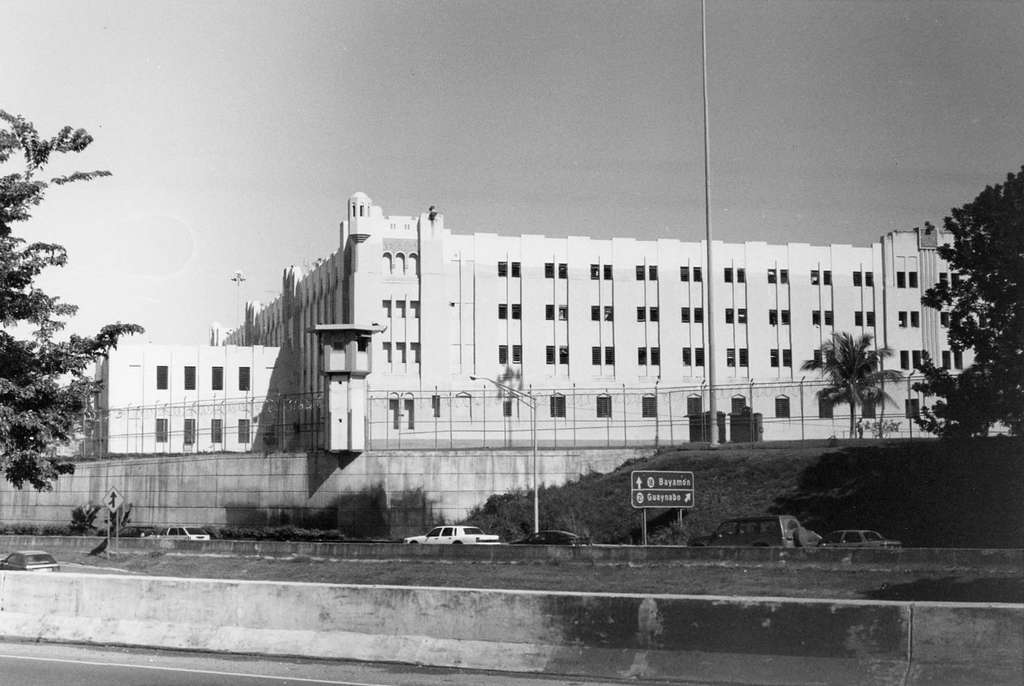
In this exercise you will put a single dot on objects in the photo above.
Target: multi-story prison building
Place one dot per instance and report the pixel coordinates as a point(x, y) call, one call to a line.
point(614, 321)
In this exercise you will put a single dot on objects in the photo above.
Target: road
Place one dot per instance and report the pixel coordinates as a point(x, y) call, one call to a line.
point(46, 664)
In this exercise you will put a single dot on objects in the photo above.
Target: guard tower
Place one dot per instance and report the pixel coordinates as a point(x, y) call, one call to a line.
point(346, 362)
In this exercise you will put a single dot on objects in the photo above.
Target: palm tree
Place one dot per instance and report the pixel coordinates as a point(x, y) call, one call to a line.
point(852, 368)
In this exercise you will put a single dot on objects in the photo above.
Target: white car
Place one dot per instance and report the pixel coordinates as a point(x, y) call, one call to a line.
point(184, 533)
point(456, 535)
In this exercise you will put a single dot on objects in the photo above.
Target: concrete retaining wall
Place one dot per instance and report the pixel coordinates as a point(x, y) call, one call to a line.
point(372, 494)
point(672, 637)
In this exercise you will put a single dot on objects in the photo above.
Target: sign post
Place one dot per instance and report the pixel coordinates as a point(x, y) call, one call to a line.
point(660, 489)
point(114, 502)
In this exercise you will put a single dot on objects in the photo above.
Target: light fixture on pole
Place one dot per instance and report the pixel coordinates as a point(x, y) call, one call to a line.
point(532, 403)
point(239, 278)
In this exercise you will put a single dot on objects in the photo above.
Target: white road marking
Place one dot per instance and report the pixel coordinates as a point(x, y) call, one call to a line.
point(123, 665)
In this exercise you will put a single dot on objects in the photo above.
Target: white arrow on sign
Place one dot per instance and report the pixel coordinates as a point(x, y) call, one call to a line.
point(113, 500)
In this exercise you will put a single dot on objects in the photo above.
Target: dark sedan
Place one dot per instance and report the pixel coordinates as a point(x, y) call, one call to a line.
point(857, 538)
point(553, 537)
point(30, 561)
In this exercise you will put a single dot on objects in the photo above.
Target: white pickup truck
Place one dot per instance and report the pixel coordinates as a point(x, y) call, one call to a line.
point(183, 533)
point(456, 535)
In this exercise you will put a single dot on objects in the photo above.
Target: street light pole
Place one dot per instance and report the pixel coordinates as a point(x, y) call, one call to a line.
point(532, 403)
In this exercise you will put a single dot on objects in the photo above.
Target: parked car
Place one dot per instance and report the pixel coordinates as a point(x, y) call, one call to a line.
point(137, 532)
point(783, 531)
point(183, 533)
point(857, 538)
point(30, 561)
point(455, 535)
point(552, 537)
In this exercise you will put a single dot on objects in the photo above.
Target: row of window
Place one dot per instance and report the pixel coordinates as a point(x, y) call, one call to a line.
point(696, 315)
point(915, 319)
point(397, 352)
point(911, 359)
point(189, 431)
point(189, 380)
point(400, 308)
point(649, 356)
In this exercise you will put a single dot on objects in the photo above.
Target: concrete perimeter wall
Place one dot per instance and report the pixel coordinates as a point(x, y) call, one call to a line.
point(372, 494)
point(672, 637)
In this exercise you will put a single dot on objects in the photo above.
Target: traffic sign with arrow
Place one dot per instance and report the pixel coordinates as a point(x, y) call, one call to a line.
point(113, 501)
point(661, 489)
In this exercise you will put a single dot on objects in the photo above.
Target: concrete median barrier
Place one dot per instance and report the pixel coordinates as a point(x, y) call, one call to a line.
point(670, 637)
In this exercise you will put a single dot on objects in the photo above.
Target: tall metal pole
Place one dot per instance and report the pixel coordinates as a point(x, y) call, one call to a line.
point(710, 280)
point(536, 497)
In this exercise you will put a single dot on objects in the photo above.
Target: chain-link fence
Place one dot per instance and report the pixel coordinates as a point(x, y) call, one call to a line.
point(485, 416)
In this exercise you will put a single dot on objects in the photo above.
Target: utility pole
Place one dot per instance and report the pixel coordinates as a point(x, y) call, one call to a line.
point(239, 278)
point(710, 280)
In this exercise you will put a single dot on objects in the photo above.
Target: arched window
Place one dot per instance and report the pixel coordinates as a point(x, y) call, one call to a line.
point(414, 264)
point(694, 405)
point(464, 404)
point(557, 405)
point(400, 263)
point(649, 406)
point(739, 403)
point(604, 406)
point(782, 406)
point(388, 266)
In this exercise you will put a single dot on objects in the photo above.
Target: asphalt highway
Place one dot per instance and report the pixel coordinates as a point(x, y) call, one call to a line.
point(47, 664)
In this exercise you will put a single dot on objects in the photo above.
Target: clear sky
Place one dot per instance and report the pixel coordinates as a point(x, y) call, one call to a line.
point(237, 130)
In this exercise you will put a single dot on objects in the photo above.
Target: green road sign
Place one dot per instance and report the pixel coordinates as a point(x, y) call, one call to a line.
point(660, 489)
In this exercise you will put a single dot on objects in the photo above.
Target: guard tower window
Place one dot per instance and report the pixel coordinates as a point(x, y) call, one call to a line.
point(217, 378)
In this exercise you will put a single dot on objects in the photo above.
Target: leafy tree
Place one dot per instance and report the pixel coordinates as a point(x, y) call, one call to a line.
point(43, 383)
point(853, 372)
point(986, 314)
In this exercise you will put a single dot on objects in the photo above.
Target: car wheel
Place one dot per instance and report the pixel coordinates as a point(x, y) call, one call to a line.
point(413, 542)
point(456, 542)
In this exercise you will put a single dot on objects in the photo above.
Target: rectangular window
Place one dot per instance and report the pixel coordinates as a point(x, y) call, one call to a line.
point(687, 357)
point(387, 352)
point(563, 270)
point(698, 274)
point(609, 313)
point(400, 306)
point(502, 310)
point(595, 313)
point(787, 357)
point(604, 406)
point(912, 279)
point(816, 317)
point(815, 277)
point(563, 354)
point(517, 311)
point(386, 304)
point(243, 430)
point(911, 408)
point(607, 272)
point(656, 356)
point(728, 315)
point(161, 377)
point(870, 318)
point(915, 319)
point(826, 277)
point(216, 430)
point(904, 359)
point(400, 349)
point(684, 273)
point(944, 318)
point(503, 269)
point(773, 317)
point(867, 410)
point(685, 315)
point(773, 357)
point(161, 430)
point(783, 276)
point(190, 378)
point(435, 405)
point(741, 275)
point(649, 406)
point(744, 358)
point(243, 378)
point(516, 269)
point(944, 278)
point(506, 407)
point(782, 407)
point(858, 318)
point(595, 272)
point(915, 357)
point(817, 356)
point(595, 355)
point(730, 357)
point(698, 315)
point(563, 313)
point(640, 271)
point(609, 355)
point(654, 315)
point(190, 432)
point(217, 378)
point(641, 357)
point(694, 406)
point(652, 273)
point(558, 405)
point(901, 279)
point(517, 354)
point(414, 348)
point(698, 357)
point(502, 354)
point(869, 279)
point(945, 359)
point(549, 354)
point(549, 270)
point(902, 317)
point(641, 314)
point(414, 305)
point(824, 408)
point(549, 312)
point(741, 315)
point(856, 278)
point(772, 276)
point(958, 359)
point(829, 318)
point(727, 274)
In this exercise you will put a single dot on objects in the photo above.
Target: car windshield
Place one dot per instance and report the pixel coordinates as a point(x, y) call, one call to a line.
point(872, 536)
point(473, 531)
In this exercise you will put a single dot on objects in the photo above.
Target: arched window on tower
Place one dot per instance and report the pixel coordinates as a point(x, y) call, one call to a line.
point(400, 263)
point(414, 264)
point(388, 266)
